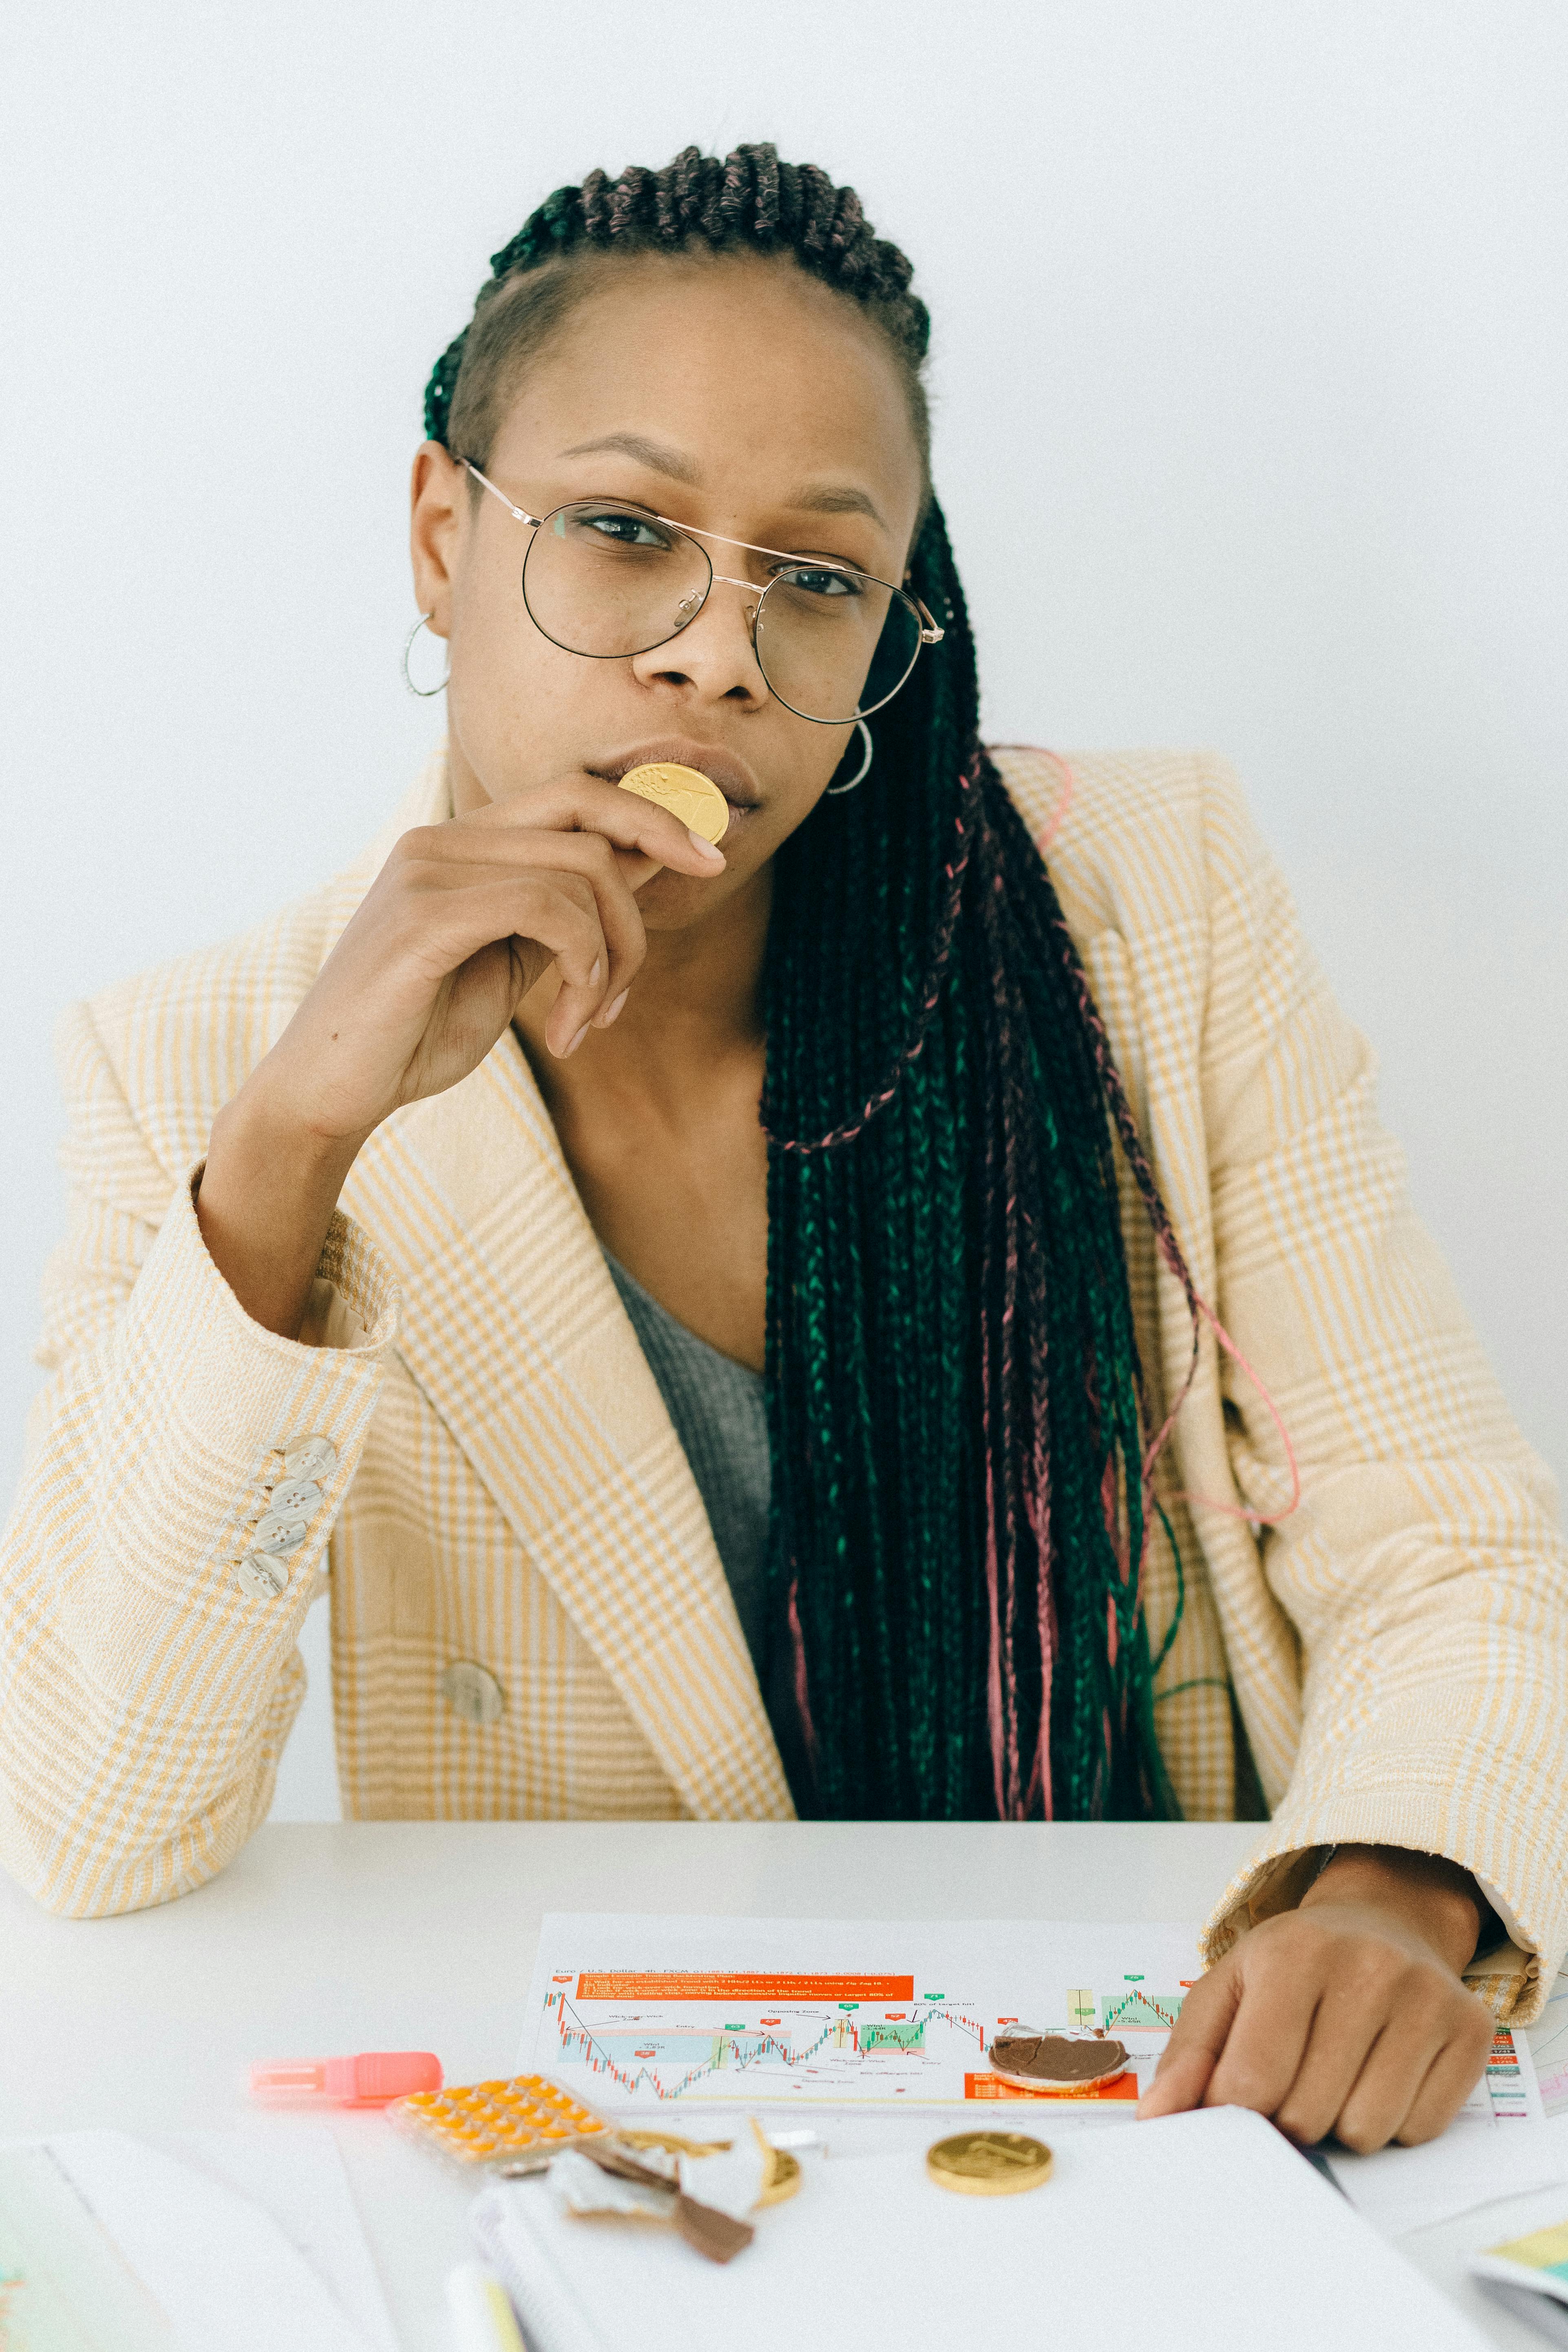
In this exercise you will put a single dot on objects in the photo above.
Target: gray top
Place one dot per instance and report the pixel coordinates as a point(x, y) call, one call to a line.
point(720, 1416)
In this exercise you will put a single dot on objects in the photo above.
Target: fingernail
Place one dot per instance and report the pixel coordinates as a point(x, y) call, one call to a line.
point(705, 847)
point(576, 1041)
point(593, 975)
point(614, 1013)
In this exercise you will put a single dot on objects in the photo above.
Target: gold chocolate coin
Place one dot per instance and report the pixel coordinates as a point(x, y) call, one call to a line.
point(673, 2144)
point(989, 2163)
point(686, 792)
point(782, 2178)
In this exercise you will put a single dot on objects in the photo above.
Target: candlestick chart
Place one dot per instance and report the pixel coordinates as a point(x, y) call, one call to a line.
point(753, 2048)
point(652, 2037)
point(1136, 2011)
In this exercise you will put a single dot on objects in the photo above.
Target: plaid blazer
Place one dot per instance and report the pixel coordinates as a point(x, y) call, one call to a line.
point(529, 1616)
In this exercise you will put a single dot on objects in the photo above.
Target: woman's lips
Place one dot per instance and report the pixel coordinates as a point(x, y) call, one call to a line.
point(721, 767)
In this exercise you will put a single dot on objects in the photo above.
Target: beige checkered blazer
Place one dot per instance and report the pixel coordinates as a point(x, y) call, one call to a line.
point(508, 1493)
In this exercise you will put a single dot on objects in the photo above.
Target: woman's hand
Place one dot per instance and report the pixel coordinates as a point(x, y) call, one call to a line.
point(462, 920)
point(459, 924)
point(1346, 2015)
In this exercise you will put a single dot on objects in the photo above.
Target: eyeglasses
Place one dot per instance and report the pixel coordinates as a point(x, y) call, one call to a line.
point(607, 579)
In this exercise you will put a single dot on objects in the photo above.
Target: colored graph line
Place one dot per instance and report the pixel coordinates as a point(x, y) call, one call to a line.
point(1140, 2009)
point(742, 2051)
point(889, 2033)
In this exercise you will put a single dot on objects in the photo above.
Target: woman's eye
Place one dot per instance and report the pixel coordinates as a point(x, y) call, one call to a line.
point(824, 583)
point(624, 530)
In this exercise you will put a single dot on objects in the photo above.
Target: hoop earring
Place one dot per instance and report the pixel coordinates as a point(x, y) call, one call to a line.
point(424, 692)
point(835, 790)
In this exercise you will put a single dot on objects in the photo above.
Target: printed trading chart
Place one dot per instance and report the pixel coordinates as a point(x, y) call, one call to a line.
point(630, 2012)
point(1548, 2041)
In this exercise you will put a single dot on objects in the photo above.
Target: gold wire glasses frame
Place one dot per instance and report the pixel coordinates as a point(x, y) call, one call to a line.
point(794, 645)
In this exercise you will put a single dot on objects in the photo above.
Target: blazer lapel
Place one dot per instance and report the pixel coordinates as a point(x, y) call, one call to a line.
point(512, 1326)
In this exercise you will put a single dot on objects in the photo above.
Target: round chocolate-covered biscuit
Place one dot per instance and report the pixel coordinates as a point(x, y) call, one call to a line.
point(1055, 2062)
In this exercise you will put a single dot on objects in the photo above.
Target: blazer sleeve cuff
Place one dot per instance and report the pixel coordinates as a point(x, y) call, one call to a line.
point(238, 1384)
point(1514, 1976)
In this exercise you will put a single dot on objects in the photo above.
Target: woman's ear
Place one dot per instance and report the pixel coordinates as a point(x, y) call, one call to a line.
point(439, 515)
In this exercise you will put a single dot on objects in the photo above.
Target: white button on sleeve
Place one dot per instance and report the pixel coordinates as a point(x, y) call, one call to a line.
point(281, 1531)
point(262, 1578)
point(472, 1692)
point(297, 1497)
point(309, 1457)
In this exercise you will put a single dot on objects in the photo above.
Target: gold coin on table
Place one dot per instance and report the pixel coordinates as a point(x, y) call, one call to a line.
point(781, 2177)
point(686, 792)
point(989, 2163)
point(673, 2144)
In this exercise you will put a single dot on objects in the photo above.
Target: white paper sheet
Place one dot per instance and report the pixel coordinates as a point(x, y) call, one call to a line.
point(1197, 2230)
point(1401, 2188)
point(222, 2268)
point(294, 2169)
point(1496, 2147)
point(633, 2012)
point(64, 2284)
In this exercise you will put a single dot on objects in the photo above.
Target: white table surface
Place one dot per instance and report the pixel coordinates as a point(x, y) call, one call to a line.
point(323, 1939)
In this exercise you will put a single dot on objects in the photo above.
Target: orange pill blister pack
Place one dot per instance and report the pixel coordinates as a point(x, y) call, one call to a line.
point(489, 2123)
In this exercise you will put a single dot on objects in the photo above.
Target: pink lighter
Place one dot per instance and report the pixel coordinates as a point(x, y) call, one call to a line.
point(368, 2080)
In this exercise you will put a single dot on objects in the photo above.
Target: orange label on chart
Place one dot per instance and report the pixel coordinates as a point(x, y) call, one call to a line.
point(994, 2086)
point(605, 1984)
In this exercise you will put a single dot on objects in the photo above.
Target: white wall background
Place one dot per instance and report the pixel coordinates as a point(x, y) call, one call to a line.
point(1252, 427)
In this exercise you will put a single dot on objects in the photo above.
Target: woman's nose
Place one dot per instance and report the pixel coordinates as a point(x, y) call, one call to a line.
point(714, 652)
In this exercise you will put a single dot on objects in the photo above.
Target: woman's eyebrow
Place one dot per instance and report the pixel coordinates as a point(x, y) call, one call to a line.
point(837, 498)
point(657, 455)
point(660, 458)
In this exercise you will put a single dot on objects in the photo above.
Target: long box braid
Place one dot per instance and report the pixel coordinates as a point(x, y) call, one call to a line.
point(961, 1458)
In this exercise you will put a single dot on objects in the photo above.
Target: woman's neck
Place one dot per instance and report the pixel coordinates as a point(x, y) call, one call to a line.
point(657, 1119)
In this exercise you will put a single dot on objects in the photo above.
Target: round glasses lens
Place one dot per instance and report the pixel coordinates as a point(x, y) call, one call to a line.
point(833, 645)
point(609, 580)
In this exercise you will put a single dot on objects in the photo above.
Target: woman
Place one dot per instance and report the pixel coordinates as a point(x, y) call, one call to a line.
point(874, 1455)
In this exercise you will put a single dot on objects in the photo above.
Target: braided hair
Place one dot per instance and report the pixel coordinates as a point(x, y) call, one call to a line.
point(960, 1495)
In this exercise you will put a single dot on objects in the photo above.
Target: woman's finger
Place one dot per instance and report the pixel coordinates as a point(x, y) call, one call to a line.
point(584, 803)
point(1188, 2060)
point(1377, 2103)
point(1451, 2077)
point(557, 913)
point(454, 855)
point(1271, 2030)
point(603, 867)
point(1355, 2080)
point(587, 858)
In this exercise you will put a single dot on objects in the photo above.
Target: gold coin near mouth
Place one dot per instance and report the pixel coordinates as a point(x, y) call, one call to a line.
point(686, 792)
